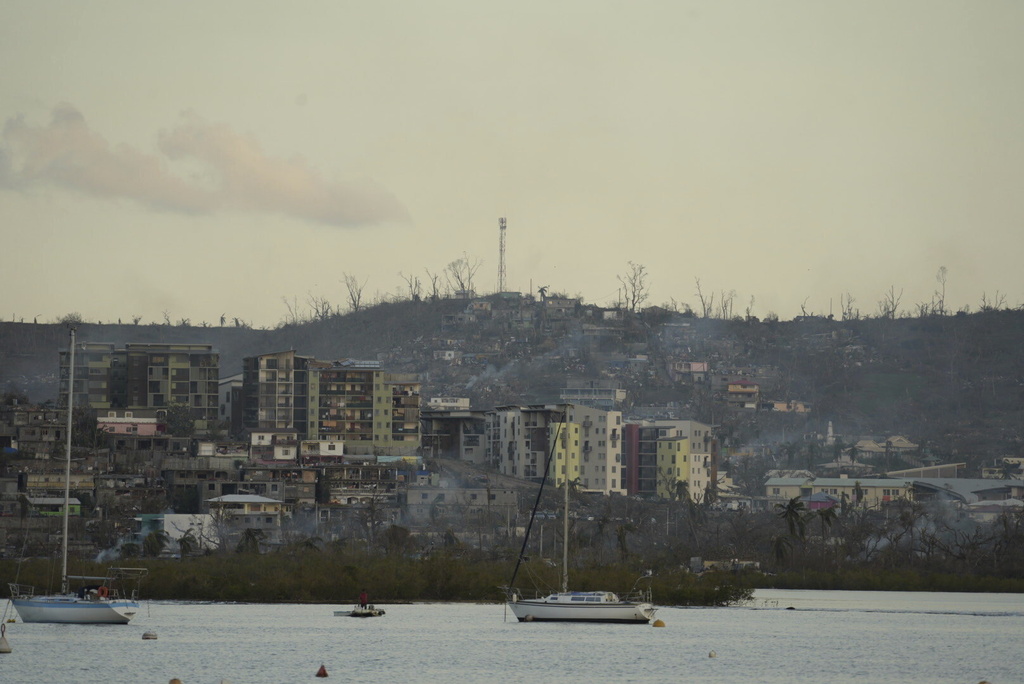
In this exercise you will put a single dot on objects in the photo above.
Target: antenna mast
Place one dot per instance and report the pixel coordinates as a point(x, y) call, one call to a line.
point(501, 255)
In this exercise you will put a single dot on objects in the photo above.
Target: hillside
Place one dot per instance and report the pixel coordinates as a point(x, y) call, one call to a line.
point(954, 384)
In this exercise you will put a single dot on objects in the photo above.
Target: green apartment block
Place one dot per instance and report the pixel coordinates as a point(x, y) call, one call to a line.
point(146, 378)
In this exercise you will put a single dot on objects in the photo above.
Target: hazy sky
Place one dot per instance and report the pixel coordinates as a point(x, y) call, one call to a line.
point(200, 159)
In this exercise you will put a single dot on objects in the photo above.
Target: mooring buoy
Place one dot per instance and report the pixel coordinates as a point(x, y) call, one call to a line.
point(659, 623)
point(149, 635)
point(322, 672)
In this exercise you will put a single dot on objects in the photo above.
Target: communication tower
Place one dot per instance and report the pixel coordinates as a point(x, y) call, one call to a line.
point(501, 255)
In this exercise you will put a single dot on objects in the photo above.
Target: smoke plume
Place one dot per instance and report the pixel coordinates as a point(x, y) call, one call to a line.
point(235, 172)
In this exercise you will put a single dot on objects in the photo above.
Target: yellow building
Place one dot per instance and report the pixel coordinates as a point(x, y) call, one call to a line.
point(864, 492)
point(678, 466)
point(565, 463)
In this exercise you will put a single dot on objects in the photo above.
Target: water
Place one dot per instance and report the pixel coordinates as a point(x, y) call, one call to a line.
point(830, 636)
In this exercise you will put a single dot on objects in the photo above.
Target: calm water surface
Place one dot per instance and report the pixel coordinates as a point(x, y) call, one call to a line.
point(828, 636)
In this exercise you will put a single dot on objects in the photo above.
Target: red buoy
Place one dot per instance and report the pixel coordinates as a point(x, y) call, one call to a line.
point(322, 672)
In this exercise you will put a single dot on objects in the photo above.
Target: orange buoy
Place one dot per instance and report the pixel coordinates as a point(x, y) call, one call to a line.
point(103, 592)
point(322, 672)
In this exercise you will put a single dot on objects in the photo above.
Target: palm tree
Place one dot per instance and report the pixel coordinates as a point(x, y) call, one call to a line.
point(187, 543)
point(782, 545)
point(250, 541)
point(827, 516)
point(793, 513)
point(155, 542)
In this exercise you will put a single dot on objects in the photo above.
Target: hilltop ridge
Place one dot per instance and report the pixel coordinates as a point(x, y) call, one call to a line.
point(953, 384)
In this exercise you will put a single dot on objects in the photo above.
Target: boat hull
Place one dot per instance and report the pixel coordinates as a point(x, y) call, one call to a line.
point(73, 610)
point(542, 610)
point(360, 613)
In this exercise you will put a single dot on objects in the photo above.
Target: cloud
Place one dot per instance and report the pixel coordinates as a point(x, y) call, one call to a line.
point(236, 173)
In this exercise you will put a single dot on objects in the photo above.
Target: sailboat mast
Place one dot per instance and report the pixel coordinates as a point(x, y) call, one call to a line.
point(565, 531)
point(67, 467)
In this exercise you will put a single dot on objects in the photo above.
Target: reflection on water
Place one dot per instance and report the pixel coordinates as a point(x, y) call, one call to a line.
point(827, 636)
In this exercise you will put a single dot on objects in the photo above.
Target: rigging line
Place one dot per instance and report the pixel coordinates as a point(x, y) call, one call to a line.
point(540, 491)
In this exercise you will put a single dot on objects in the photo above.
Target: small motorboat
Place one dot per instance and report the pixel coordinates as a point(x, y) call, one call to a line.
point(361, 612)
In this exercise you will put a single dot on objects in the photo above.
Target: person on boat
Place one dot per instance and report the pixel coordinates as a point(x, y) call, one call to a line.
point(364, 599)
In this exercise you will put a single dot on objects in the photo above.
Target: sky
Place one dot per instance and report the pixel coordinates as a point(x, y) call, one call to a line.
point(245, 159)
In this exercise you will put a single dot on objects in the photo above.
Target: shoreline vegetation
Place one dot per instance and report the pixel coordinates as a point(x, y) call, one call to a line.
point(338, 577)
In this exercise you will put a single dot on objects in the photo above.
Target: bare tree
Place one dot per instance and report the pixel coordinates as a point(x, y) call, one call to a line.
point(294, 312)
point(707, 304)
point(322, 309)
point(725, 304)
point(459, 274)
point(889, 305)
point(434, 281)
point(635, 286)
point(846, 304)
point(355, 291)
point(414, 285)
point(997, 302)
point(940, 294)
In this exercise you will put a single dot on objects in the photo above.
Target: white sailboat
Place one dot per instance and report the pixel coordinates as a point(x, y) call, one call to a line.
point(578, 606)
point(111, 599)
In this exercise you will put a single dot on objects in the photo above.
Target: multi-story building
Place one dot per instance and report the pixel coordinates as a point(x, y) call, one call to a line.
point(645, 475)
point(234, 514)
point(489, 506)
point(363, 482)
point(354, 402)
point(296, 486)
point(147, 378)
point(603, 394)
point(583, 444)
point(456, 434)
point(681, 472)
point(33, 431)
point(743, 394)
point(229, 411)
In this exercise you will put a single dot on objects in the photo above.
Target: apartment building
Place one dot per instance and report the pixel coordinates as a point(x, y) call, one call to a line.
point(583, 444)
point(357, 403)
point(147, 378)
